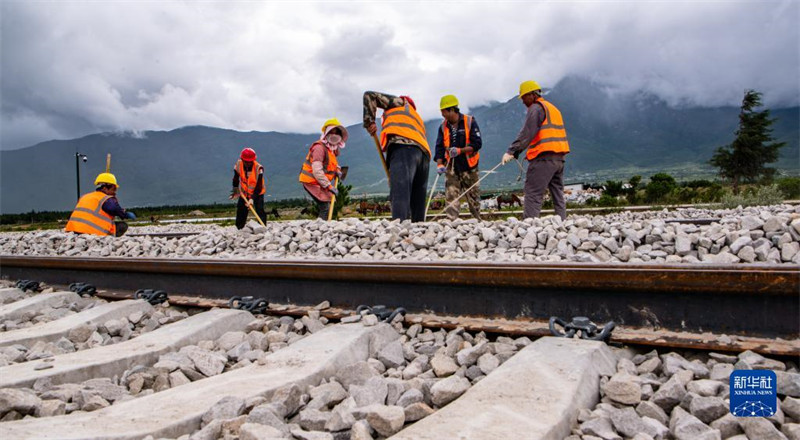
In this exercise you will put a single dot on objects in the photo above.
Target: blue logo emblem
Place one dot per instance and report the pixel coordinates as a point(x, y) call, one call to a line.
point(754, 393)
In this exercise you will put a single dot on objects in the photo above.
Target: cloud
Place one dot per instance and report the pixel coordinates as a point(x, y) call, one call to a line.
point(75, 68)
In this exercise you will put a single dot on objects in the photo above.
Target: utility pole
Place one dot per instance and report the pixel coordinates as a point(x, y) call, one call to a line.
point(78, 157)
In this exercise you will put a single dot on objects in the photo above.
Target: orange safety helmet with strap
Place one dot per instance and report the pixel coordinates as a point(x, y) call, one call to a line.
point(330, 165)
point(472, 158)
point(552, 135)
point(406, 122)
point(248, 182)
point(89, 217)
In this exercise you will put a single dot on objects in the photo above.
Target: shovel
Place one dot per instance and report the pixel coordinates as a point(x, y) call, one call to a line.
point(250, 205)
point(333, 197)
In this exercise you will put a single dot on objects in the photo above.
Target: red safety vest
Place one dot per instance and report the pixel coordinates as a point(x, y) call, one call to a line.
point(247, 183)
point(330, 165)
point(552, 135)
point(472, 158)
point(88, 216)
point(406, 122)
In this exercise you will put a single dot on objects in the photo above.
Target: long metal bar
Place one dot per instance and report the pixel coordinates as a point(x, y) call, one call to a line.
point(754, 300)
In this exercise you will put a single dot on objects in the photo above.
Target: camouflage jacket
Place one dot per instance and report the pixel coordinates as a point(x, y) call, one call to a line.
point(375, 100)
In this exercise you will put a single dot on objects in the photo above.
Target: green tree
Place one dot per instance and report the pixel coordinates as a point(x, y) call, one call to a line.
point(746, 158)
point(630, 193)
point(613, 188)
point(660, 185)
point(342, 200)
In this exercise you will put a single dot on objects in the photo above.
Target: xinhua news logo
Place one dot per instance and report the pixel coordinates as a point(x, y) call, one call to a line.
point(753, 393)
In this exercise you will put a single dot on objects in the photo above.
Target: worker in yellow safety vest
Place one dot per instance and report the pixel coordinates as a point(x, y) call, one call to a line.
point(407, 152)
point(457, 145)
point(322, 165)
point(95, 212)
point(545, 138)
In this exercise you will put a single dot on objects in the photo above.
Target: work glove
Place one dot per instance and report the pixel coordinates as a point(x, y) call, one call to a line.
point(333, 190)
point(454, 151)
point(507, 158)
point(339, 174)
point(129, 215)
point(441, 169)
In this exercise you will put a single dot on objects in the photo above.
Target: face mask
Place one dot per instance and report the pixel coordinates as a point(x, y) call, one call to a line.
point(334, 139)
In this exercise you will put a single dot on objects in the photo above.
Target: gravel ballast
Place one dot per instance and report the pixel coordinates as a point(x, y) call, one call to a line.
point(769, 234)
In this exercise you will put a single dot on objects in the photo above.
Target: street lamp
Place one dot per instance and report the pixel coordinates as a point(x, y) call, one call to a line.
point(78, 157)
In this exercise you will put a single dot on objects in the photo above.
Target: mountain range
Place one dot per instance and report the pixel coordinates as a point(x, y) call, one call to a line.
point(611, 135)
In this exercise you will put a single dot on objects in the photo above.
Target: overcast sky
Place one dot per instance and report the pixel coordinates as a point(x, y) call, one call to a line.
point(74, 68)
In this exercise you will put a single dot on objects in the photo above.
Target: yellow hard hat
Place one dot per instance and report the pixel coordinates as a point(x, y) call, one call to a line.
point(106, 178)
point(527, 87)
point(448, 101)
point(329, 122)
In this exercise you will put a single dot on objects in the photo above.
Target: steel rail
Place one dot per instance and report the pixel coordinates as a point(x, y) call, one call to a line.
point(745, 300)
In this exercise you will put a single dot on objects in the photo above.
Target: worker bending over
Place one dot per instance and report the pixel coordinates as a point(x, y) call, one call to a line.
point(457, 156)
point(249, 186)
point(322, 165)
point(95, 212)
point(544, 136)
point(407, 152)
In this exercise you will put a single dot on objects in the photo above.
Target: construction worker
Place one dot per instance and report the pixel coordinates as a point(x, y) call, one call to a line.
point(249, 186)
point(407, 152)
point(95, 212)
point(544, 136)
point(321, 165)
point(457, 155)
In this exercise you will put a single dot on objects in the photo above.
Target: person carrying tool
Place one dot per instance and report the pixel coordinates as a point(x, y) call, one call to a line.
point(249, 186)
point(544, 136)
point(457, 145)
point(407, 152)
point(95, 212)
point(321, 166)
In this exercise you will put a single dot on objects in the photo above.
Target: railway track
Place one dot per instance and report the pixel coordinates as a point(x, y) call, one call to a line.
point(468, 327)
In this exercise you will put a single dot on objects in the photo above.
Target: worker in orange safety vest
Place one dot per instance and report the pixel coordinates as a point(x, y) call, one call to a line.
point(94, 214)
point(321, 166)
point(457, 154)
point(249, 186)
point(544, 137)
point(408, 155)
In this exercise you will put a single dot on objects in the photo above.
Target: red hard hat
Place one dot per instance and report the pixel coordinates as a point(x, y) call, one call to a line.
point(410, 101)
point(248, 155)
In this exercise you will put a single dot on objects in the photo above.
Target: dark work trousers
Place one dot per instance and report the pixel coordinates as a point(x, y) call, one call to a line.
point(545, 172)
point(122, 228)
point(408, 173)
point(323, 208)
point(242, 210)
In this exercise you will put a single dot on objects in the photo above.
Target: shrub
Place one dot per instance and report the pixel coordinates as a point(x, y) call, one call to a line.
point(755, 196)
point(613, 188)
point(789, 186)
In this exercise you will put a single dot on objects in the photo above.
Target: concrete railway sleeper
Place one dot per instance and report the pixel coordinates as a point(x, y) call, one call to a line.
point(50, 324)
point(250, 342)
point(368, 380)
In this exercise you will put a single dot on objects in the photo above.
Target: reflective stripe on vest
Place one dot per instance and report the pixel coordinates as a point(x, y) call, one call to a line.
point(89, 217)
point(406, 122)
point(248, 183)
point(552, 135)
point(330, 165)
point(472, 158)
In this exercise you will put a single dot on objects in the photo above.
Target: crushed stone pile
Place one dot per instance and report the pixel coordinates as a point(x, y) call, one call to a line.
point(743, 235)
point(663, 396)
